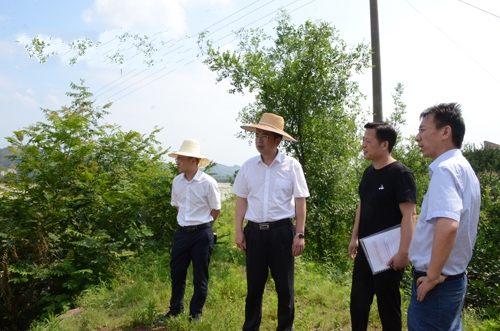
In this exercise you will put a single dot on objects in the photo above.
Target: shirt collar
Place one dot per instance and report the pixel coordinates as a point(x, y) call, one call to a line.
point(279, 158)
point(195, 178)
point(443, 157)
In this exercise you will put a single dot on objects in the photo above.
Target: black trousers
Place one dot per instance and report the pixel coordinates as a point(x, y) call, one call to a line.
point(269, 250)
point(384, 285)
point(195, 246)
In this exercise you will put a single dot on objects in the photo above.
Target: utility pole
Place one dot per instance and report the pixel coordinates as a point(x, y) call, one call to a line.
point(376, 71)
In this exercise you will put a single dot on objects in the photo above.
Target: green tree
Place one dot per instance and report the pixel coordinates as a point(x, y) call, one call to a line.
point(484, 268)
point(483, 159)
point(305, 75)
point(406, 149)
point(84, 195)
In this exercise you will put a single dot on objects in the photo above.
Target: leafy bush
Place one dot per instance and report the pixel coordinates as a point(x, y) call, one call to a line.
point(484, 269)
point(84, 195)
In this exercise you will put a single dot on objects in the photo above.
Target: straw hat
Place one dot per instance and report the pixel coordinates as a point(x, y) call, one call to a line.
point(270, 122)
point(191, 148)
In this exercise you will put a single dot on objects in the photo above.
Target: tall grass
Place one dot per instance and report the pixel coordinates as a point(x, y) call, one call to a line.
point(140, 293)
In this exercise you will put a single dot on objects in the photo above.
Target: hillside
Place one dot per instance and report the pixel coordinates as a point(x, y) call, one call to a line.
point(4, 162)
point(223, 173)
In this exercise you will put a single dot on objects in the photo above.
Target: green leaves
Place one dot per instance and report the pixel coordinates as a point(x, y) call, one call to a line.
point(83, 196)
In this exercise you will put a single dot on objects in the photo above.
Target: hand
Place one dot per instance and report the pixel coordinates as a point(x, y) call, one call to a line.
point(241, 241)
point(298, 246)
point(353, 248)
point(399, 261)
point(425, 284)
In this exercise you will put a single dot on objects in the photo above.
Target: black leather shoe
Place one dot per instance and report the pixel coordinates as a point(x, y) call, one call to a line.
point(195, 317)
point(167, 316)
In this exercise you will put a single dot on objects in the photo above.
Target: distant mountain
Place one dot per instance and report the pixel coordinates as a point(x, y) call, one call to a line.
point(223, 173)
point(5, 162)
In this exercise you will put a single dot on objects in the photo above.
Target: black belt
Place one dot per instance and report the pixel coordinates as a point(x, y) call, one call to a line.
point(269, 225)
point(417, 274)
point(191, 228)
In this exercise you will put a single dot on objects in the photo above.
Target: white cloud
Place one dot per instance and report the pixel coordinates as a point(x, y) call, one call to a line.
point(25, 100)
point(53, 101)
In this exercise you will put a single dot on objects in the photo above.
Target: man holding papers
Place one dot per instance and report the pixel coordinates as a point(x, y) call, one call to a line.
point(447, 226)
point(387, 198)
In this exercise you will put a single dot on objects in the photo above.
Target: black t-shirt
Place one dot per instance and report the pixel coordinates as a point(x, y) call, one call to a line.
point(381, 191)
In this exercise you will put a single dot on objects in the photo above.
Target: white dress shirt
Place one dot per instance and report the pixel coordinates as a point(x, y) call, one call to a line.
point(195, 198)
point(454, 193)
point(270, 190)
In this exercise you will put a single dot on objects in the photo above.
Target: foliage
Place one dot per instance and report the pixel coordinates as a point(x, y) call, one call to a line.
point(484, 268)
point(4, 161)
point(82, 196)
point(42, 48)
point(483, 159)
point(406, 149)
point(305, 76)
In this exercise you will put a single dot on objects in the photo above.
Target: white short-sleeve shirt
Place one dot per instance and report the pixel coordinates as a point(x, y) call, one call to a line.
point(454, 193)
point(270, 190)
point(195, 198)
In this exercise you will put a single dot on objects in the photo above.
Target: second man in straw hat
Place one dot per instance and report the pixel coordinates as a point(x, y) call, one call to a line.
point(196, 197)
point(274, 189)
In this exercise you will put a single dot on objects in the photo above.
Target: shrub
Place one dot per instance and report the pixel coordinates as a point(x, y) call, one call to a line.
point(82, 196)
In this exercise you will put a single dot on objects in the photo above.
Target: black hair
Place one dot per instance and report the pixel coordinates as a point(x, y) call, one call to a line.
point(383, 132)
point(448, 114)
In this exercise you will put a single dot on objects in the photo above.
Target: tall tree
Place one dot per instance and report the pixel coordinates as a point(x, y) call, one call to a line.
point(406, 149)
point(305, 74)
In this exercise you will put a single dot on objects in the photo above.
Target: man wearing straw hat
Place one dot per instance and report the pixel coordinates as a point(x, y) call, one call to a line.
point(196, 197)
point(271, 190)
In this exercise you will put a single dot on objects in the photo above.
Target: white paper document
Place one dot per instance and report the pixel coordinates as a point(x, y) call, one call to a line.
point(381, 247)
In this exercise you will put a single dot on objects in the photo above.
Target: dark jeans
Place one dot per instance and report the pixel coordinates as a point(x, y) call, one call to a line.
point(269, 249)
point(195, 246)
point(441, 308)
point(384, 285)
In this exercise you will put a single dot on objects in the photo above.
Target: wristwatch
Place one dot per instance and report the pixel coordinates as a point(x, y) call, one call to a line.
point(299, 235)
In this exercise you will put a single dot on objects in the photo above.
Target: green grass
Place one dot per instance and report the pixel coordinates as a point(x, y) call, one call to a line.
point(140, 293)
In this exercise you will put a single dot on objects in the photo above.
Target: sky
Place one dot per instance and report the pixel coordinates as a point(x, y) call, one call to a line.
point(440, 50)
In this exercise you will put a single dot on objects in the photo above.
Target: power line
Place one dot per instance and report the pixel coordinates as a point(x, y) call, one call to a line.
point(146, 83)
point(154, 73)
point(225, 18)
point(184, 51)
point(239, 18)
point(115, 80)
point(262, 18)
point(194, 34)
point(479, 9)
point(456, 44)
point(140, 72)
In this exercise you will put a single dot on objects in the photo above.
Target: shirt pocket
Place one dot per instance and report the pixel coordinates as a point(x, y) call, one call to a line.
point(282, 189)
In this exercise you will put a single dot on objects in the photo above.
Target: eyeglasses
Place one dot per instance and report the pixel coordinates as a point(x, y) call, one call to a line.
point(262, 137)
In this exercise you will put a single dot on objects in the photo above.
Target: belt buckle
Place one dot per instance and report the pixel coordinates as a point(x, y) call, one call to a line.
point(191, 228)
point(264, 227)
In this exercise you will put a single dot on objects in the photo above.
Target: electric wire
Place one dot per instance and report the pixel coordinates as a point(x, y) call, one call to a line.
point(225, 18)
point(479, 9)
point(154, 73)
point(184, 38)
point(147, 83)
point(181, 46)
point(456, 44)
point(122, 82)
